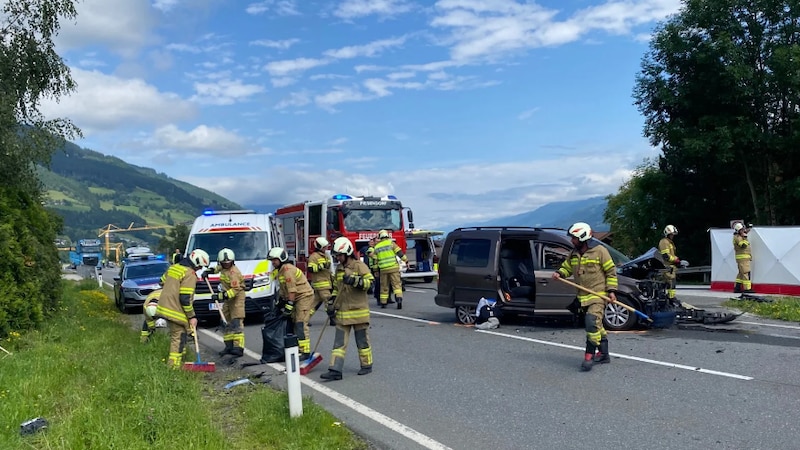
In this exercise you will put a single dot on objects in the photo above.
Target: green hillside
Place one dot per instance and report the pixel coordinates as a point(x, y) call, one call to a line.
point(90, 190)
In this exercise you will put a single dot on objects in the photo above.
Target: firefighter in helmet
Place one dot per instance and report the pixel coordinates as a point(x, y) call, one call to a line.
point(321, 277)
point(150, 307)
point(176, 302)
point(669, 253)
point(232, 294)
point(386, 254)
point(592, 267)
point(297, 296)
point(741, 248)
point(349, 307)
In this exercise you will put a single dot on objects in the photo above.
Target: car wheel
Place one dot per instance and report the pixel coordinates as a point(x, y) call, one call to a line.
point(121, 305)
point(617, 318)
point(465, 315)
point(427, 279)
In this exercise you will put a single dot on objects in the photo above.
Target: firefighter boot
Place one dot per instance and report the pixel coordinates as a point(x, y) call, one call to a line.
point(228, 349)
point(602, 357)
point(237, 351)
point(399, 302)
point(737, 288)
point(365, 370)
point(331, 375)
point(587, 363)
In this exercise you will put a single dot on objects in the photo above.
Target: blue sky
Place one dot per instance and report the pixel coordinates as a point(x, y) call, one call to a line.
point(464, 109)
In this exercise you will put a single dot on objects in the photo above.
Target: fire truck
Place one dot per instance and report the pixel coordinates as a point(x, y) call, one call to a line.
point(357, 218)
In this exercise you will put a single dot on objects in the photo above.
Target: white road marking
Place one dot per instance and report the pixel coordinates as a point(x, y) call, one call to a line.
point(360, 408)
point(412, 319)
point(421, 291)
point(792, 327)
point(618, 355)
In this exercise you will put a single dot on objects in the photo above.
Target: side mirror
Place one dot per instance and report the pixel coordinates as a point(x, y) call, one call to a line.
point(410, 215)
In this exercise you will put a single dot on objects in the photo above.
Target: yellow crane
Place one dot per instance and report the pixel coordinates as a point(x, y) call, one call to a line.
point(111, 228)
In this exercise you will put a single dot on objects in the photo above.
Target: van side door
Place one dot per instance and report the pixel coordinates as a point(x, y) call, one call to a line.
point(471, 263)
point(551, 295)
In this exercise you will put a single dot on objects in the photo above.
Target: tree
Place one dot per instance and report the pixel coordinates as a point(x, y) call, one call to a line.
point(30, 70)
point(177, 237)
point(720, 92)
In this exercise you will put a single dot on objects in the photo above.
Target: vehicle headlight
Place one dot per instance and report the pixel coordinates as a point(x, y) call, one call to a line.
point(260, 281)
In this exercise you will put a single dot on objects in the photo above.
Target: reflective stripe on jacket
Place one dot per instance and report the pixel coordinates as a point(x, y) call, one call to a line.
point(593, 270)
point(319, 267)
point(741, 247)
point(386, 253)
point(292, 281)
point(352, 305)
point(177, 296)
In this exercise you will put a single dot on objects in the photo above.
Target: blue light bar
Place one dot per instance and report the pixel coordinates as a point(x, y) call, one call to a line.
point(208, 212)
point(391, 197)
point(342, 197)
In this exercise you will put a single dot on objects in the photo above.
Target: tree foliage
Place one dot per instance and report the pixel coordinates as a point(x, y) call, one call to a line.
point(719, 89)
point(30, 70)
point(177, 237)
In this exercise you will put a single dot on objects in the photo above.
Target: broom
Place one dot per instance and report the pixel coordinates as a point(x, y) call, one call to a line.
point(663, 320)
point(222, 320)
point(314, 358)
point(199, 366)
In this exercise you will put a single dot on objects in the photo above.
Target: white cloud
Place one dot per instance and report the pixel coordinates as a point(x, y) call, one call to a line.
point(337, 142)
point(282, 81)
point(369, 50)
point(124, 26)
point(487, 29)
point(289, 66)
point(327, 76)
point(442, 197)
point(527, 114)
point(341, 94)
point(165, 5)
point(296, 99)
point(353, 9)
point(282, 44)
point(224, 92)
point(281, 7)
point(105, 102)
point(203, 139)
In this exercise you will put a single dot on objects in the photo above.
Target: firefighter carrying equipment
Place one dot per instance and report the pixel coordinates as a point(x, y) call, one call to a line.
point(580, 231)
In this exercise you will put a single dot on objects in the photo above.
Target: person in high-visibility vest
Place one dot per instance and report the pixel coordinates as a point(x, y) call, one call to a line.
point(386, 254)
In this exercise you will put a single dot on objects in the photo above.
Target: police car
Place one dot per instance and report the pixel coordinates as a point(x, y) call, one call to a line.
point(139, 276)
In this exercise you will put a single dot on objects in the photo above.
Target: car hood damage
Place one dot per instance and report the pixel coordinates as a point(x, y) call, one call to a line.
point(649, 269)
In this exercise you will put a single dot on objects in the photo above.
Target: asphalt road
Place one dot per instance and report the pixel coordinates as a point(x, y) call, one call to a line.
point(437, 384)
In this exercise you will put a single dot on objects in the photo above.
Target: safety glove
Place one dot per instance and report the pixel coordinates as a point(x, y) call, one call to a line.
point(288, 309)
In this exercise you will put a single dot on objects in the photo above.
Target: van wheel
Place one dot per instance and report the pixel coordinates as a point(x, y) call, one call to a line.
point(465, 315)
point(427, 279)
point(617, 318)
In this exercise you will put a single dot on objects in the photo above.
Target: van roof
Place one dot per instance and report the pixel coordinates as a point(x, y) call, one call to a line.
point(226, 222)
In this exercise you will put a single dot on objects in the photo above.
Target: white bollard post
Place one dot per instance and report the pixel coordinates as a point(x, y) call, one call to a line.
point(99, 275)
point(290, 351)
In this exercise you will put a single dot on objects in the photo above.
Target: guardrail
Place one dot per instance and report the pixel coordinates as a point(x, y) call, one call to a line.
point(705, 270)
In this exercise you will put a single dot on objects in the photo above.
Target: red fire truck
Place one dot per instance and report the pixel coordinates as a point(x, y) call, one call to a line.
point(357, 218)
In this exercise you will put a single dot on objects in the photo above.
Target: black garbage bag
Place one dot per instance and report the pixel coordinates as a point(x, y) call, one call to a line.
point(276, 326)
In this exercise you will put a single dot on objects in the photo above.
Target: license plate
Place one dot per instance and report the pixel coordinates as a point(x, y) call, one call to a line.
point(212, 306)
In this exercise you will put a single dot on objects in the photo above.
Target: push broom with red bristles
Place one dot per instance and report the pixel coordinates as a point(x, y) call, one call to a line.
point(315, 358)
point(199, 366)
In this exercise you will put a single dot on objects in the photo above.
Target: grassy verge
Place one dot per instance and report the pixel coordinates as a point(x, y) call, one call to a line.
point(87, 374)
point(782, 308)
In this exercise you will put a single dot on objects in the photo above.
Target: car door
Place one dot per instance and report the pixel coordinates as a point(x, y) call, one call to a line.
point(472, 262)
point(516, 270)
point(551, 295)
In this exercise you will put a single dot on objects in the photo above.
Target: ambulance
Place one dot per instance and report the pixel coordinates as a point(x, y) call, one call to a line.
point(250, 235)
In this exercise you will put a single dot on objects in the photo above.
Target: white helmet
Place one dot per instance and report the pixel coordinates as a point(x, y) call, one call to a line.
point(199, 258)
point(151, 309)
point(226, 255)
point(342, 245)
point(581, 231)
point(738, 226)
point(278, 253)
point(670, 229)
point(383, 234)
point(320, 243)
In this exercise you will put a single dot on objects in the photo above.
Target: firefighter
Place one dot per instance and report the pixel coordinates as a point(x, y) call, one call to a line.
point(297, 294)
point(667, 248)
point(349, 307)
point(175, 303)
point(386, 254)
point(592, 266)
point(232, 295)
point(150, 308)
point(741, 247)
point(319, 266)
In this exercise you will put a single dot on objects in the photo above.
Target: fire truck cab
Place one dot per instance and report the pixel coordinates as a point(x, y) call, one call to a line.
point(357, 218)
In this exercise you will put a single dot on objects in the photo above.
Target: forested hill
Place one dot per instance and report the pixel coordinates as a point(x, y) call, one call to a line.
point(91, 190)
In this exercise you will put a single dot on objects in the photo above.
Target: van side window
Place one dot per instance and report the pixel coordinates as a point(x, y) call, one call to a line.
point(470, 253)
point(554, 255)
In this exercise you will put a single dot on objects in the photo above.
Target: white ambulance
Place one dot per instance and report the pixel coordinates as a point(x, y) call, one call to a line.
point(250, 236)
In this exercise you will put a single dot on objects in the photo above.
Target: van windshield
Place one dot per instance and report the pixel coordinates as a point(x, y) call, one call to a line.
point(372, 219)
point(251, 245)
